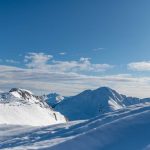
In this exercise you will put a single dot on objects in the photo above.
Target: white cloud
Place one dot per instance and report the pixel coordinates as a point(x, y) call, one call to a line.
point(11, 61)
point(98, 49)
point(139, 66)
point(62, 53)
point(68, 77)
point(42, 82)
point(37, 60)
point(45, 62)
point(83, 65)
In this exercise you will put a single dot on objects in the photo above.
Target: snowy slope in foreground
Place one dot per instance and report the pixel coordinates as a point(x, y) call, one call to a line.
point(126, 129)
point(21, 107)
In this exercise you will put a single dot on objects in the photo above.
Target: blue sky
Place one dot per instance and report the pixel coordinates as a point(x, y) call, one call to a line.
point(103, 41)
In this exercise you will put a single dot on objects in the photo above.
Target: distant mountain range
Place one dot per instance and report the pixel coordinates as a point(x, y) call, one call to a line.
point(91, 103)
point(20, 106)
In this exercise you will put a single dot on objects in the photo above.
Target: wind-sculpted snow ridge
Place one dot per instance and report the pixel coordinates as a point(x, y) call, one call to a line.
point(125, 129)
point(21, 107)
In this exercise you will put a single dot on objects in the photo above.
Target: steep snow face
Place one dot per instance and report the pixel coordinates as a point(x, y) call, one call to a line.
point(53, 99)
point(21, 107)
point(90, 103)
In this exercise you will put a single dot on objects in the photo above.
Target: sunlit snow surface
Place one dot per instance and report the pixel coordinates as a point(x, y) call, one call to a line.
point(126, 129)
point(21, 107)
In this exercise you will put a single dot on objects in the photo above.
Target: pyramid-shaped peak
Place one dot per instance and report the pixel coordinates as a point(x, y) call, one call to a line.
point(22, 93)
point(20, 90)
point(106, 90)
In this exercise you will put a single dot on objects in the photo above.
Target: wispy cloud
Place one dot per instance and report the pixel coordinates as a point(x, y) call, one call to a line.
point(69, 83)
point(98, 49)
point(139, 66)
point(44, 74)
point(37, 60)
point(11, 61)
point(46, 62)
point(82, 65)
point(62, 53)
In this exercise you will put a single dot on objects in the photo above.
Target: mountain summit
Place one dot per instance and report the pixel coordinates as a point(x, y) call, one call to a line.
point(22, 107)
point(53, 99)
point(90, 103)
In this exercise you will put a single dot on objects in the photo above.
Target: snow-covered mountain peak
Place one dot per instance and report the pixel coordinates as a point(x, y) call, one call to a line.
point(19, 106)
point(20, 93)
point(90, 103)
point(56, 96)
point(86, 92)
point(108, 92)
point(104, 88)
point(24, 95)
point(53, 99)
